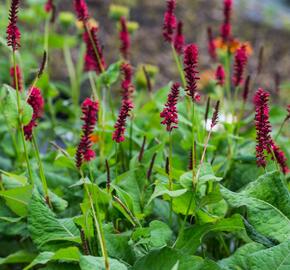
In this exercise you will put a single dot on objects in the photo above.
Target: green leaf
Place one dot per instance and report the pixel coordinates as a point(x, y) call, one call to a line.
point(90, 262)
point(17, 199)
point(58, 231)
point(192, 237)
point(267, 219)
point(21, 256)
point(11, 111)
point(19, 179)
point(111, 75)
point(70, 254)
point(167, 258)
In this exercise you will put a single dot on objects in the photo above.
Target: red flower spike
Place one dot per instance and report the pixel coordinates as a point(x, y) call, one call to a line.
point(211, 45)
point(13, 33)
point(84, 152)
point(226, 27)
point(93, 62)
point(81, 9)
point(170, 113)
point(36, 101)
point(220, 75)
point(263, 126)
point(127, 104)
point(280, 157)
point(179, 39)
point(19, 78)
point(241, 60)
point(191, 72)
point(124, 38)
point(49, 6)
point(169, 24)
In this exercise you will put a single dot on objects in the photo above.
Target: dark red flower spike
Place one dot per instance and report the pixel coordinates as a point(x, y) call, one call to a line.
point(13, 33)
point(124, 38)
point(169, 24)
point(226, 28)
point(220, 75)
point(211, 45)
point(241, 60)
point(179, 39)
point(81, 9)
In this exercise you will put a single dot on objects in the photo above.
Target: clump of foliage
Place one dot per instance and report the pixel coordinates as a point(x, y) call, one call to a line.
point(189, 176)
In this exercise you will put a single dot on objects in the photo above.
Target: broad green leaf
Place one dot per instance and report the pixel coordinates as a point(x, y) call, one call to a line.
point(110, 76)
point(267, 219)
point(60, 231)
point(167, 258)
point(17, 199)
point(22, 256)
point(192, 237)
point(11, 111)
point(90, 262)
point(70, 254)
point(20, 179)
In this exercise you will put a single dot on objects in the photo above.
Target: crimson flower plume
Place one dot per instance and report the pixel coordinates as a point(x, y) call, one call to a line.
point(94, 59)
point(81, 9)
point(169, 24)
point(241, 60)
point(263, 126)
point(127, 103)
point(280, 157)
point(36, 101)
point(226, 27)
point(169, 113)
point(179, 39)
point(191, 71)
point(215, 115)
point(220, 75)
point(124, 38)
point(84, 152)
point(49, 6)
point(13, 33)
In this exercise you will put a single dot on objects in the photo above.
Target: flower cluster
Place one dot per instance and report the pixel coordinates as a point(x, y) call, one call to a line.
point(81, 9)
point(49, 6)
point(280, 157)
point(124, 38)
point(169, 24)
point(36, 101)
point(13, 33)
point(211, 47)
point(127, 104)
point(179, 39)
point(191, 72)
point(220, 75)
point(226, 27)
point(18, 77)
point(169, 113)
point(84, 152)
point(94, 59)
point(241, 59)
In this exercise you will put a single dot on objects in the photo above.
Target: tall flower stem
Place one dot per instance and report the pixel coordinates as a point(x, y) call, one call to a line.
point(194, 180)
point(280, 129)
point(20, 120)
point(41, 171)
point(98, 224)
point(170, 178)
point(179, 65)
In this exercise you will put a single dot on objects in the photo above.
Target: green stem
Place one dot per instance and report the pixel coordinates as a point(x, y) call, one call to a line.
point(193, 148)
point(131, 139)
point(179, 66)
point(41, 171)
point(280, 130)
point(170, 178)
point(20, 120)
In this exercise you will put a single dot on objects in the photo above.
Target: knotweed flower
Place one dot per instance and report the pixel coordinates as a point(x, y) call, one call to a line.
point(13, 33)
point(263, 126)
point(124, 38)
point(241, 59)
point(84, 152)
point(215, 115)
point(127, 104)
point(226, 27)
point(169, 113)
point(94, 60)
point(191, 72)
point(211, 47)
point(280, 157)
point(18, 77)
point(49, 6)
point(179, 39)
point(169, 24)
point(81, 9)
point(220, 75)
point(246, 88)
point(36, 101)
